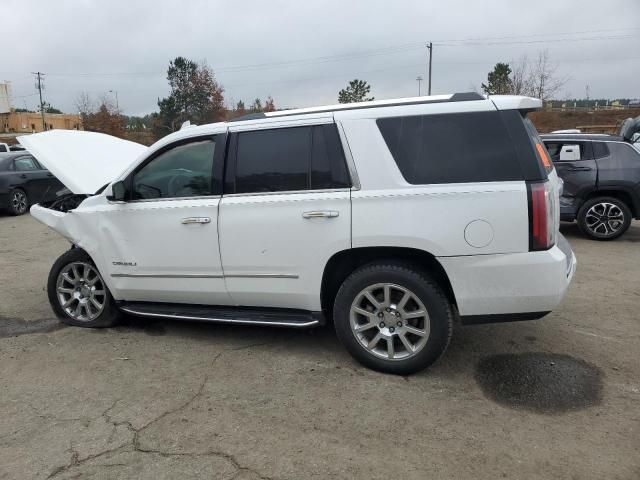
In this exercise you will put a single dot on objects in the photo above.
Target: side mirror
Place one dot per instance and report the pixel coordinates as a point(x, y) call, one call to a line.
point(118, 192)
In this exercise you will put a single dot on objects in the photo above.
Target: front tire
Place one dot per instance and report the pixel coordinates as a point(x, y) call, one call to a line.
point(77, 293)
point(393, 318)
point(18, 202)
point(604, 218)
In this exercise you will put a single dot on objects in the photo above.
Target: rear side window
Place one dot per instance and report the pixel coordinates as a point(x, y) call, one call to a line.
point(600, 149)
point(568, 151)
point(289, 159)
point(24, 164)
point(451, 148)
point(3, 148)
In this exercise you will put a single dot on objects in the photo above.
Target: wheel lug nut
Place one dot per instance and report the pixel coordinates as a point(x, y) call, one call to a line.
point(399, 324)
point(391, 329)
point(388, 310)
point(381, 324)
point(397, 314)
point(380, 314)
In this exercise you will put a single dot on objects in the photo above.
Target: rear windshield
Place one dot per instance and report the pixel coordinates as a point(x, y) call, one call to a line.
point(451, 148)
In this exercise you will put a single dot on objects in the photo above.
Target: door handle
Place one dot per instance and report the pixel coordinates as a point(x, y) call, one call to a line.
point(579, 169)
point(321, 214)
point(24, 175)
point(190, 220)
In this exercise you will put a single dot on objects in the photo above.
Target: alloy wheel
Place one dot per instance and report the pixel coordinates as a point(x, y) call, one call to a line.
point(389, 321)
point(604, 219)
point(81, 291)
point(19, 201)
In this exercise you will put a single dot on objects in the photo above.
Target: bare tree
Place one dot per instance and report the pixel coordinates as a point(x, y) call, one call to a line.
point(544, 81)
point(84, 104)
point(520, 81)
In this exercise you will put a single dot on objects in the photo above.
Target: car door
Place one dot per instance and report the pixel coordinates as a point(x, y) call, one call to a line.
point(162, 243)
point(286, 210)
point(575, 165)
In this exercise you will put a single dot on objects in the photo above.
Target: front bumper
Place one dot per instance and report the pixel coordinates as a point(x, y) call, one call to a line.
point(518, 285)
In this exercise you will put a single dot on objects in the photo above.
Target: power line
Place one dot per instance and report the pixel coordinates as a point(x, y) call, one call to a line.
point(479, 41)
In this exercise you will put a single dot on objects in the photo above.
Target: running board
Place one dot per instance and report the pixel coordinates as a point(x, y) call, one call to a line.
point(272, 317)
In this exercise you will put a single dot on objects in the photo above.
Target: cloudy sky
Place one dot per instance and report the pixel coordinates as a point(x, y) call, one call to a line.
point(302, 52)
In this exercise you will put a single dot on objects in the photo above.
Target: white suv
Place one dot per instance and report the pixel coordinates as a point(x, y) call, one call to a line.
point(390, 218)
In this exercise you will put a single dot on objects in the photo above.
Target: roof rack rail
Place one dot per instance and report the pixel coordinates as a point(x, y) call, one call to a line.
point(456, 97)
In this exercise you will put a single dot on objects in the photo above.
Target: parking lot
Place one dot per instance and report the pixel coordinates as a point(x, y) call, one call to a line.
point(555, 398)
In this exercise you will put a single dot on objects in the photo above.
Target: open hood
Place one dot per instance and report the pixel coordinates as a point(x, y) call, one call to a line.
point(629, 128)
point(82, 161)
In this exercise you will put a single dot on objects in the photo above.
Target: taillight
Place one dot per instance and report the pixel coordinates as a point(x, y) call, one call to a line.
point(542, 206)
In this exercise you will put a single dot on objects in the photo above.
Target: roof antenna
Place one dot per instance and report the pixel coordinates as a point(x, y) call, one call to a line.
point(186, 124)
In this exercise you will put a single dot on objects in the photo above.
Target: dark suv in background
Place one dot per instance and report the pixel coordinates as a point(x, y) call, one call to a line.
point(601, 176)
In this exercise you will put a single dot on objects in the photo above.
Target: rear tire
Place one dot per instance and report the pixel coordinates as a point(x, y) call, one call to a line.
point(78, 294)
point(604, 218)
point(393, 318)
point(18, 202)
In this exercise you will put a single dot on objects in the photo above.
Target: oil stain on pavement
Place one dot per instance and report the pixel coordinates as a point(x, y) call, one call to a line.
point(12, 327)
point(541, 382)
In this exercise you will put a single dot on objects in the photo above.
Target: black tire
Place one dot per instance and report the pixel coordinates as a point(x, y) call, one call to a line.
point(18, 202)
point(604, 230)
point(109, 315)
point(420, 284)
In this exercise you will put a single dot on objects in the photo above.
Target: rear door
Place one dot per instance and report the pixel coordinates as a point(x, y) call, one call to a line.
point(285, 211)
point(26, 170)
point(575, 164)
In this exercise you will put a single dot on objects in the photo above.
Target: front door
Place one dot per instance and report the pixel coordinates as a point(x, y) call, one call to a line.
point(162, 244)
point(285, 212)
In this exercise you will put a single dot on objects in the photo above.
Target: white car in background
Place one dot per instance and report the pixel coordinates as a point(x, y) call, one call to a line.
point(389, 218)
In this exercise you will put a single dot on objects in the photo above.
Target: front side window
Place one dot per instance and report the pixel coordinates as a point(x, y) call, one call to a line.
point(24, 164)
point(289, 159)
point(183, 171)
point(451, 148)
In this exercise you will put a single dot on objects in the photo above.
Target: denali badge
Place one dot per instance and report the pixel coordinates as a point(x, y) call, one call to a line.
point(125, 264)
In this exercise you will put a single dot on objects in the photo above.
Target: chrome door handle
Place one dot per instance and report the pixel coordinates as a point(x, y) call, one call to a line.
point(321, 214)
point(189, 220)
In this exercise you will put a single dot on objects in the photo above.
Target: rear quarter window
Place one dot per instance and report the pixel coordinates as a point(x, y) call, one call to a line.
point(451, 148)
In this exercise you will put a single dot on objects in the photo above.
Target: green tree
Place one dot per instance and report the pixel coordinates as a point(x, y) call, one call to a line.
point(357, 91)
point(46, 106)
point(257, 105)
point(195, 95)
point(499, 80)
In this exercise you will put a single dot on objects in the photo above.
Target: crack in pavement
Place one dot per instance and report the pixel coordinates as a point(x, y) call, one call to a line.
point(134, 443)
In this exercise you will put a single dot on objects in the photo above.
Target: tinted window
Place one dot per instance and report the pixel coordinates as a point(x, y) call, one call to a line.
point(328, 166)
point(289, 159)
point(451, 148)
point(23, 164)
point(273, 160)
point(183, 171)
point(3, 148)
point(600, 149)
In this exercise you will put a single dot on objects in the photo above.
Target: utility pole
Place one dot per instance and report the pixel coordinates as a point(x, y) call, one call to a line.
point(39, 86)
point(419, 79)
point(430, 47)
point(116, 94)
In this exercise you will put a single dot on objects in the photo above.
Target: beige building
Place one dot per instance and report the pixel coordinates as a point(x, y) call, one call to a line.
point(31, 122)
